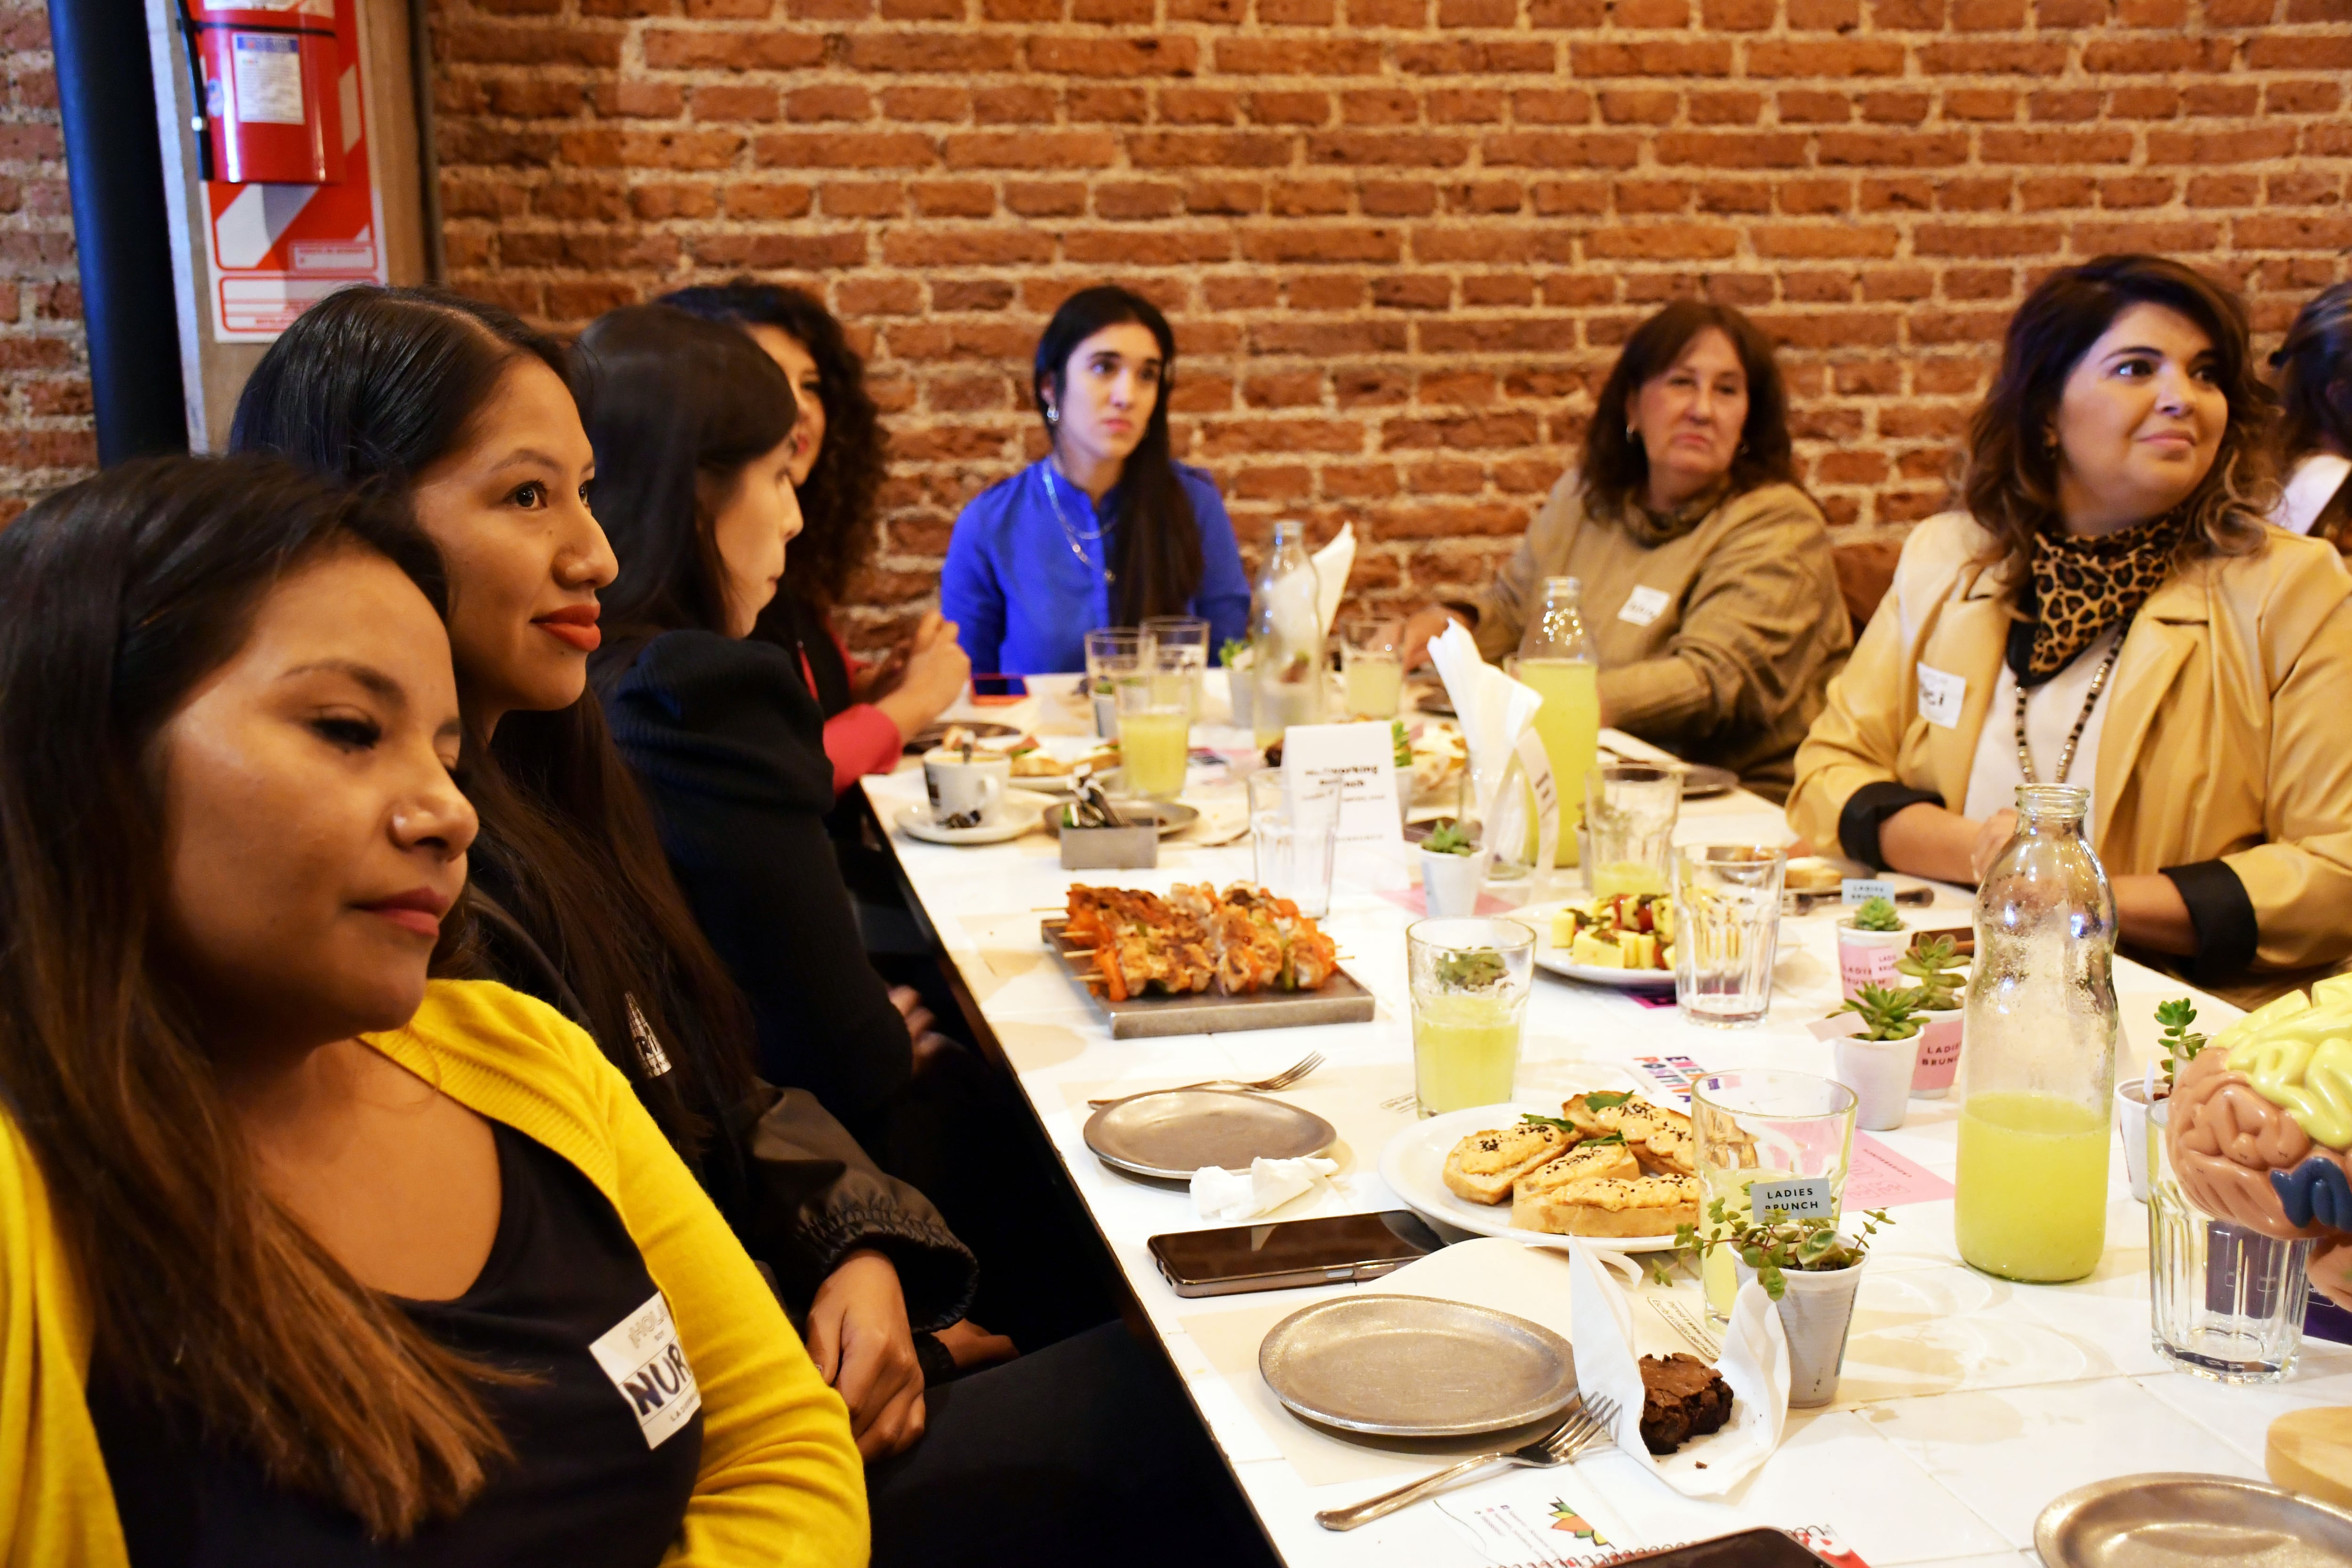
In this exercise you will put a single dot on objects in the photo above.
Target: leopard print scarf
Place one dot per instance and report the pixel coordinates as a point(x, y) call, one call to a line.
point(2080, 587)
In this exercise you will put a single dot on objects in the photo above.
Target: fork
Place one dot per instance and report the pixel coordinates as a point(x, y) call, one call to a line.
point(1282, 1080)
point(1587, 1427)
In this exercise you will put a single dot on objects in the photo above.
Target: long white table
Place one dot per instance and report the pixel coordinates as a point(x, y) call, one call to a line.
point(1967, 1404)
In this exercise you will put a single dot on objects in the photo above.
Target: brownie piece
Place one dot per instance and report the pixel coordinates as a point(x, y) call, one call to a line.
point(1682, 1398)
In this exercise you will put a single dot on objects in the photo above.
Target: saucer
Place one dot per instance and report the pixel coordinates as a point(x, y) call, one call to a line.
point(916, 822)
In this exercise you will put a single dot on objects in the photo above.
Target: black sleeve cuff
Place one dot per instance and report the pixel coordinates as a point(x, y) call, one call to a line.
point(1866, 811)
point(2227, 931)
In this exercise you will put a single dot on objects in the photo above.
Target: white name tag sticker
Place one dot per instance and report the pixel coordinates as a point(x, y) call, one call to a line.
point(1645, 604)
point(1940, 695)
point(642, 1356)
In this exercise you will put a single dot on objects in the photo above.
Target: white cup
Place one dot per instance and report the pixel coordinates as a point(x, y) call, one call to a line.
point(967, 790)
point(1879, 1073)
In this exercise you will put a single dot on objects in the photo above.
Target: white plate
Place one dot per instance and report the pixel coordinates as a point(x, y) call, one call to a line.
point(1413, 1165)
point(1021, 808)
point(1555, 960)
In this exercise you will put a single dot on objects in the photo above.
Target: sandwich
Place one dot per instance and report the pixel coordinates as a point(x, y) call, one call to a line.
point(1602, 1161)
point(1612, 1206)
point(1483, 1166)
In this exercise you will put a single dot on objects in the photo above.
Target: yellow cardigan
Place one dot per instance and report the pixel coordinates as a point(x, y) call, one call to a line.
point(2228, 733)
point(779, 1482)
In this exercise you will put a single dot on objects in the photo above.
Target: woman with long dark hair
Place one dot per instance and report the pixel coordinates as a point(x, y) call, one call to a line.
point(2110, 611)
point(464, 412)
point(311, 1260)
point(1710, 592)
point(2314, 384)
point(1105, 529)
point(837, 467)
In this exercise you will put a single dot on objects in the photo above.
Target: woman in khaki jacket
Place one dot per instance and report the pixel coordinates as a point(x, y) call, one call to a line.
point(1709, 589)
point(2111, 612)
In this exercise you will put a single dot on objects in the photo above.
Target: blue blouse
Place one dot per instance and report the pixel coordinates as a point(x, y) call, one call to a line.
point(1025, 589)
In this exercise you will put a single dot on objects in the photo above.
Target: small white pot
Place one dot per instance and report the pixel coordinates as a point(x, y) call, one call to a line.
point(1450, 884)
point(1867, 957)
point(1879, 1073)
point(1239, 689)
point(2132, 1122)
point(1817, 1314)
point(1939, 1053)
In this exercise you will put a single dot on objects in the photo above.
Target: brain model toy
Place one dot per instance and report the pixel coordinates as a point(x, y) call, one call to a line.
point(2260, 1125)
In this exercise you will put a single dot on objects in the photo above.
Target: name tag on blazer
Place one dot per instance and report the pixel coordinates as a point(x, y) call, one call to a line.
point(1940, 695)
point(1645, 604)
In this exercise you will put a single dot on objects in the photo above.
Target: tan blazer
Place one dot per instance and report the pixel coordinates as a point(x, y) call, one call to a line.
point(1734, 665)
point(2228, 732)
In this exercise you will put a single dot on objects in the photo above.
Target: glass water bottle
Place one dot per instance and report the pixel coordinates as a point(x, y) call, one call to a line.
point(1286, 638)
point(1555, 659)
point(2038, 1051)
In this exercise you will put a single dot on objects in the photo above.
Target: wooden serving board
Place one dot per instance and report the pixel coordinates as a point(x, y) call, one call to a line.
point(1341, 1001)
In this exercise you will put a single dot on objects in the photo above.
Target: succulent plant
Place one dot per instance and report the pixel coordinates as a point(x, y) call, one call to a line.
point(1448, 838)
point(1776, 1243)
point(1934, 961)
point(1886, 1014)
point(1877, 914)
point(2180, 1046)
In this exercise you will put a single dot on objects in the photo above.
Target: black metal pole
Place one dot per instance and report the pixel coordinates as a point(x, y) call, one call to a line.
point(121, 232)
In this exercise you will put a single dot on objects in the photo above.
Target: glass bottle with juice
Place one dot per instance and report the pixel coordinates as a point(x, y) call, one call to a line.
point(1287, 654)
point(1556, 661)
point(2037, 1057)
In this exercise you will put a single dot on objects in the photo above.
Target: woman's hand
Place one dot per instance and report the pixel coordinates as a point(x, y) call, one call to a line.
point(858, 1337)
point(1993, 837)
point(932, 678)
point(1424, 627)
point(927, 1042)
point(1928, 841)
point(975, 1347)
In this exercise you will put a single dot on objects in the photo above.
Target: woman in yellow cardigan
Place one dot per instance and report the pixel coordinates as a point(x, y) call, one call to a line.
point(301, 1258)
point(2111, 612)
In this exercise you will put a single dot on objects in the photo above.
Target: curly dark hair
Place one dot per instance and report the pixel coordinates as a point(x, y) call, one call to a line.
point(1616, 466)
point(837, 499)
point(2011, 485)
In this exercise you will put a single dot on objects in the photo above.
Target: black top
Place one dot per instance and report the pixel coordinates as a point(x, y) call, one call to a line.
point(793, 624)
point(730, 748)
point(604, 1461)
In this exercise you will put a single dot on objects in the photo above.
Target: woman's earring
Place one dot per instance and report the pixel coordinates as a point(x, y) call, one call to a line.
point(1632, 433)
point(1053, 415)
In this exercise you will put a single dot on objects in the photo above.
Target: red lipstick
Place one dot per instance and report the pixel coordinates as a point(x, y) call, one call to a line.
point(574, 624)
point(419, 909)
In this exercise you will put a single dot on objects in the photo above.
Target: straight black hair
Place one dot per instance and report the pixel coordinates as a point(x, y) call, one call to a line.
point(1156, 540)
point(2315, 387)
point(1616, 465)
point(670, 400)
point(375, 386)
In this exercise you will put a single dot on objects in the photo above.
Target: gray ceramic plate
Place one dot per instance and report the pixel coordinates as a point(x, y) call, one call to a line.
point(1404, 1366)
point(2158, 1520)
point(1172, 1134)
point(981, 730)
point(1173, 816)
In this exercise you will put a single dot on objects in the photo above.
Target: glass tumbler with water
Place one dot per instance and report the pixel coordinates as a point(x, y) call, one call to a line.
point(1764, 1140)
point(1629, 820)
point(1470, 980)
point(1112, 652)
point(2225, 1301)
point(1292, 839)
point(1726, 931)
point(1179, 651)
point(2038, 1051)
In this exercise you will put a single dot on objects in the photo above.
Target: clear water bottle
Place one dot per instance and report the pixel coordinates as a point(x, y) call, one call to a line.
point(2038, 1051)
point(1556, 661)
point(1286, 638)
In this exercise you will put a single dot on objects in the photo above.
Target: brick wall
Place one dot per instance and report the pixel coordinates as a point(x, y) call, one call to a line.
point(1399, 239)
point(46, 438)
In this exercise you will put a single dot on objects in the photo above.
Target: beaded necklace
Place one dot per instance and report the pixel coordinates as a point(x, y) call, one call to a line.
point(2073, 736)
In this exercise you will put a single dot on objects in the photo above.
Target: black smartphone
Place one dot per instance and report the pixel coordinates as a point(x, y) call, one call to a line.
point(1292, 1253)
point(1749, 1549)
point(988, 688)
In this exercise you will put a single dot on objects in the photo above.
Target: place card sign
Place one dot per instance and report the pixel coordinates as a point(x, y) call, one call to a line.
point(1800, 1197)
point(1359, 761)
point(1862, 890)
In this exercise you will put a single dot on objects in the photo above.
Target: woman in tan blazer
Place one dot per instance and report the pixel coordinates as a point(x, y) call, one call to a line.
point(2111, 612)
point(1709, 589)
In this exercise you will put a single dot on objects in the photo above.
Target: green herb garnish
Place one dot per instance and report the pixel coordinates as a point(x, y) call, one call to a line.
point(1602, 1101)
point(1557, 1124)
point(1474, 970)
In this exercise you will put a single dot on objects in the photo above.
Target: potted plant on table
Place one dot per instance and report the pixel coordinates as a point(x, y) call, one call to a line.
point(1878, 1060)
point(2140, 1102)
point(1811, 1272)
point(1453, 869)
point(1869, 941)
point(1935, 967)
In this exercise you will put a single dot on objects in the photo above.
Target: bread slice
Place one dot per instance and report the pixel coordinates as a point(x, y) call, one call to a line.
point(1634, 1117)
point(1483, 1166)
point(1667, 1151)
point(1608, 1206)
point(1585, 1162)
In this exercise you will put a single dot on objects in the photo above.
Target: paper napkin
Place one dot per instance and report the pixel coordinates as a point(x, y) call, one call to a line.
point(1755, 1362)
point(1491, 709)
point(1332, 565)
point(1266, 1185)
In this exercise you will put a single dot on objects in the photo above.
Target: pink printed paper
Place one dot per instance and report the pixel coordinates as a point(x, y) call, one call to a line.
point(1880, 1178)
point(1413, 900)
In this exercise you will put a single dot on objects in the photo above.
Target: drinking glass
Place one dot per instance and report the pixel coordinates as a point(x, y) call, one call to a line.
point(1726, 931)
point(1177, 647)
point(1112, 652)
point(1292, 841)
point(1155, 735)
point(1629, 816)
point(1470, 980)
point(1371, 663)
point(1766, 1140)
point(2225, 1301)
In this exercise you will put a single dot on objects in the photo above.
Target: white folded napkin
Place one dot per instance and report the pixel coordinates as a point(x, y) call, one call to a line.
point(1332, 565)
point(1266, 1185)
point(1491, 709)
point(1755, 1362)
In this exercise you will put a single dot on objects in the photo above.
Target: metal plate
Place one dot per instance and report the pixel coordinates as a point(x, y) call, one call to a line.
point(1405, 1366)
point(981, 730)
point(1341, 1001)
point(1172, 815)
point(2158, 1521)
point(1172, 1134)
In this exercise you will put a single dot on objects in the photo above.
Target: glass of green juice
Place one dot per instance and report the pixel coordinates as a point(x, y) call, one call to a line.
point(1371, 663)
point(1470, 981)
point(1630, 809)
point(1155, 736)
point(1766, 1140)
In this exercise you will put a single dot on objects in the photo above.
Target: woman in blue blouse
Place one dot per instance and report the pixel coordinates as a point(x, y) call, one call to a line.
point(1107, 529)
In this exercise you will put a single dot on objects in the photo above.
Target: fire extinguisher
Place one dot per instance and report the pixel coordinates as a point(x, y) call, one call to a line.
point(268, 86)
